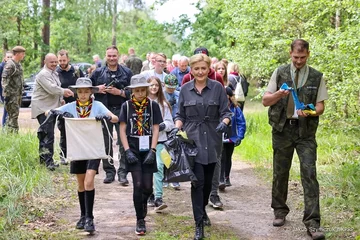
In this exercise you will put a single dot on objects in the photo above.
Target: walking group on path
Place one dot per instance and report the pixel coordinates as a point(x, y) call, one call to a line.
point(150, 102)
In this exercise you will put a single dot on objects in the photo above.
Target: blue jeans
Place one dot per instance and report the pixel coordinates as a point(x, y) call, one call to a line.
point(159, 175)
point(3, 122)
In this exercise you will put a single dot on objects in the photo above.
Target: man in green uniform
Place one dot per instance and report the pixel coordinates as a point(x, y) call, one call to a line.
point(12, 82)
point(295, 129)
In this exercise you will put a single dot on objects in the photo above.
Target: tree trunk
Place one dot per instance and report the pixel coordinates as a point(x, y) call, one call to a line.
point(88, 42)
point(337, 19)
point(5, 46)
point(45, 30)
point(114, 23)
point(18, 22)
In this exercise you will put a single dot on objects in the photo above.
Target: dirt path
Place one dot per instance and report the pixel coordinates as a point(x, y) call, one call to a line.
point(247, 209)
point(246, 206)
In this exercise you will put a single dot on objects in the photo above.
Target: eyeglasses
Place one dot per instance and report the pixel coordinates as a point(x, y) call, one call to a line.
point(161, 61)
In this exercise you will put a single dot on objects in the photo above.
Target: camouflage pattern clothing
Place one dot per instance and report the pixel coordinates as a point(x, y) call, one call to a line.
point(299, 134)
point(134, 63)
point(12, 82)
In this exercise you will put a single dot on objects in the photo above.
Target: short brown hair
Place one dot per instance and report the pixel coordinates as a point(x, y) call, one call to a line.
point(161, 55)
point(299, 45)
point(63, 52)
point(112, 47)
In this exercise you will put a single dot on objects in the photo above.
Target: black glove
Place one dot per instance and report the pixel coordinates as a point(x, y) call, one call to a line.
point(130, 157)
point(173, 132)
point(67, 115)
point(222, 127)
point(101, 117)
point(61, 114)
point(162, 127)
point(237, 142)
point(150, 157)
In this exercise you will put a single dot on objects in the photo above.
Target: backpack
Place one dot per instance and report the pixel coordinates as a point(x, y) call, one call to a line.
point(239, 91)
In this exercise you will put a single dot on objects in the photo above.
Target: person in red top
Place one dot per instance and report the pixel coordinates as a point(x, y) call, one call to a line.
point(212, 74)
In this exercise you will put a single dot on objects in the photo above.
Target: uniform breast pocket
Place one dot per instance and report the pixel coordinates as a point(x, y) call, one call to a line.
point(190, 108)
point(213, 108)
point(311, 92)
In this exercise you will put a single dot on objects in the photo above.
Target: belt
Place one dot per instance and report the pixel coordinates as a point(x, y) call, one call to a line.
point(292, 121)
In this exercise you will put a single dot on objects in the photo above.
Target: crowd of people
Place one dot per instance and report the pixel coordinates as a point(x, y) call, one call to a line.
point(148, 102)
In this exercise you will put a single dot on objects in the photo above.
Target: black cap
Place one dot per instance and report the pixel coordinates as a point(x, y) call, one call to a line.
point(201, 50)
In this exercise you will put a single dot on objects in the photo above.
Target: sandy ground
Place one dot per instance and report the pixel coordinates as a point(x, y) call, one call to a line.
point(246, 205)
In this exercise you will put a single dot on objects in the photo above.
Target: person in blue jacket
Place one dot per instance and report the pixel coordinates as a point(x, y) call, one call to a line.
point(231, 139)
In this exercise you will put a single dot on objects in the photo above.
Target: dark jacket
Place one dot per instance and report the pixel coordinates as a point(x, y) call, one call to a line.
point(200, 115)
point(119, 79)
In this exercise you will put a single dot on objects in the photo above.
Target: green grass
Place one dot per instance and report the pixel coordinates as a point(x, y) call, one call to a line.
point(174, 227)
point(26, 194)
point(338, 169)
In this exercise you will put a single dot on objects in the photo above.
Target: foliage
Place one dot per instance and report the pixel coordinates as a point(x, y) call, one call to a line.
point(337, 169)
point(84, 28)
point(257, 35)
point(20, 174)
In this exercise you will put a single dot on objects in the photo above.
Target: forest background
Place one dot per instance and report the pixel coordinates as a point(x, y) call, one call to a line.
point(256, 34)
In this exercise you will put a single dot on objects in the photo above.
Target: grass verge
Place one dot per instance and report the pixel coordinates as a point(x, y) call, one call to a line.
point(29, 193)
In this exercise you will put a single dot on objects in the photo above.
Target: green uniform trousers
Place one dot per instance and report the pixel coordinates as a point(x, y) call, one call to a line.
point(284, 144)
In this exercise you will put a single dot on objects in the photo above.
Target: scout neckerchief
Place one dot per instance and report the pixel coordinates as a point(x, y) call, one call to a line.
point(139, 108)
point(83, 109)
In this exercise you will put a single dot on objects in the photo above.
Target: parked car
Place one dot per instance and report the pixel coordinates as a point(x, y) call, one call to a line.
point(29, 84)
point(82, 66)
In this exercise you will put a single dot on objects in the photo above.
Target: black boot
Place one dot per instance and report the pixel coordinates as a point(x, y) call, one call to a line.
point(81, 223)
point(199, 231)
point(89, 226)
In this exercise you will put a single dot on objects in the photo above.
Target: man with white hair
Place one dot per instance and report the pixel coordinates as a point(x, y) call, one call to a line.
point(174, 62)
point(181, 70)
point(97, 60)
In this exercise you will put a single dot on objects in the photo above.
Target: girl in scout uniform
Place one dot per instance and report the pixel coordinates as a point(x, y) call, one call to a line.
point(139, 131)
point(85, 170)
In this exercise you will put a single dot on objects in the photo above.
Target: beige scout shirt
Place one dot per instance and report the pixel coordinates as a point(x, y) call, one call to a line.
point(303, 75)
point(47, 93)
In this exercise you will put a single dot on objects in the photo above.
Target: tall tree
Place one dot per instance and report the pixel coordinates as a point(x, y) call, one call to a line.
point(45, 30)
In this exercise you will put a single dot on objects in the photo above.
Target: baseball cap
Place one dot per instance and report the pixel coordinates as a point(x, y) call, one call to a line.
point(171, 81)
point(201, 50)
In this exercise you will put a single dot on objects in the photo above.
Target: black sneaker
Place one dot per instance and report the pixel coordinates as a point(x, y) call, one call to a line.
point(123, 181)
point(109, 178)
point(52, 166)
point(140, 227)
point(222, 186)
point(159, 205)
point(89, 226)
point(227, 182)
point(151, 201)
point(215, 202)
point(81, 223)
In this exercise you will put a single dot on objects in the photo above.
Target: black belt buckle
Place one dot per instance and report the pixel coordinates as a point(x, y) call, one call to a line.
point(293, 122)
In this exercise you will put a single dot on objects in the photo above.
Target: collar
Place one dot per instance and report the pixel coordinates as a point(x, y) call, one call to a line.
point(50, 71)
point(302, 70)
point(208, 85)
